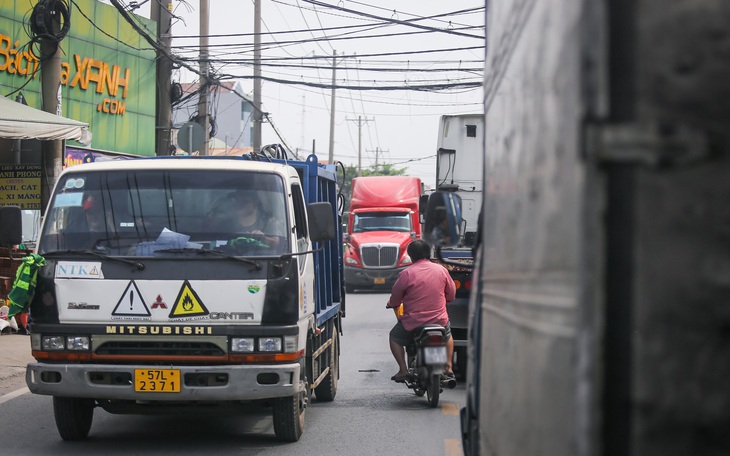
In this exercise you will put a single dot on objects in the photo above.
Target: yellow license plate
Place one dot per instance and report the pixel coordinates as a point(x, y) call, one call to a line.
point(379, 281)
point(157, 380)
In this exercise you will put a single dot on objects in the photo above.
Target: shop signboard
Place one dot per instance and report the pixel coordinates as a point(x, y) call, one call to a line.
point(108, 72)
point(20, 185)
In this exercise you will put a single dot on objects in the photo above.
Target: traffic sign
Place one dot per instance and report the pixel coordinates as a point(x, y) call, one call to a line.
point(190, 137)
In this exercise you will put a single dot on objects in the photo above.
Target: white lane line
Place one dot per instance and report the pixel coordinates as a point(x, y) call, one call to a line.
point(6, 397)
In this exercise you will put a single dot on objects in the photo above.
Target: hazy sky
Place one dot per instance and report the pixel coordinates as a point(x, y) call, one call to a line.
point(401, 124)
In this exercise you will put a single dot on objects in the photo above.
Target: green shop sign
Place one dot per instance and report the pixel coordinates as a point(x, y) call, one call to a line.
point(108, 72)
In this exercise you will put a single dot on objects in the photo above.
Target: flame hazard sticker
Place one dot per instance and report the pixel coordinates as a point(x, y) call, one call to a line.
point(188, 304)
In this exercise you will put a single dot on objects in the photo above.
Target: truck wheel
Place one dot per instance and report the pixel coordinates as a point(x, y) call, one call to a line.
point(289, 415)
point(327, 390)
point(73, 417)
point(461, 362)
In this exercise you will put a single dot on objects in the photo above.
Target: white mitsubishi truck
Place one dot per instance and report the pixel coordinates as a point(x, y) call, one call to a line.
point(156, 297)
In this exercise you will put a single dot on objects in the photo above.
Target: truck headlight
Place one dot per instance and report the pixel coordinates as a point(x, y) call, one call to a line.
point(77, 343)
point(406, 260)
point(270, 344)
point(242, 344)
point(53, 343)
point(350, 260)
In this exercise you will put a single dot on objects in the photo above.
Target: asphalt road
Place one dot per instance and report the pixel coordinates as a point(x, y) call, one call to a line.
point(371, 415)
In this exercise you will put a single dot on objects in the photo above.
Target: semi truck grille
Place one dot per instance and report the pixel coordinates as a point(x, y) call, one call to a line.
point(379, 255)
point(160, 348)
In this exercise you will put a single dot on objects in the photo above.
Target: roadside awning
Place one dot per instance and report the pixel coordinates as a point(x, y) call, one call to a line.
point(18, 121)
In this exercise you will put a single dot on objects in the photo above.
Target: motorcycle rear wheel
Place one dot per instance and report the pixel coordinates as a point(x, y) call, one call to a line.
point(434, 390)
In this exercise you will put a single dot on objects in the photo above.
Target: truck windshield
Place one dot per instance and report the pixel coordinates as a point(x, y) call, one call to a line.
point(159, 212)
point(382, 221)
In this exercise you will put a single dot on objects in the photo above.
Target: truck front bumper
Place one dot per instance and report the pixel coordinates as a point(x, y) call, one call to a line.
point(198, 383)
point(371, 278)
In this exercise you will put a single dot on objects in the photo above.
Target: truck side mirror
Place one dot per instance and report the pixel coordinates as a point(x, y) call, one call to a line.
point(11, 226)
point(321, 222)
point(443, 219)
point(422, 203)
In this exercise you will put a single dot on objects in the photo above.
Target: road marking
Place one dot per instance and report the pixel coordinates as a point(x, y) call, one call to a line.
point(452, 447)
point(6, 397)
point(449, 408)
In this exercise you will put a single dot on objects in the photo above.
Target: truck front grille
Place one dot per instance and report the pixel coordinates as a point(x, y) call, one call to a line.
point(379, 255)
point(159, 348)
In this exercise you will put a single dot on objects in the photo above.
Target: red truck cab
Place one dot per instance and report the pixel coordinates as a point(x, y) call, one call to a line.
point(383, 220)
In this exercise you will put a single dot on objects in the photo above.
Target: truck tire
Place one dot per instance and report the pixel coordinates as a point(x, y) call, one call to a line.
point(73, 417)
point(327, 389)
point(461, 362)
point(289, 413)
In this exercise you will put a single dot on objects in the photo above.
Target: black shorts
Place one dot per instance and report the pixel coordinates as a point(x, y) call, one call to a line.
point(402, 337)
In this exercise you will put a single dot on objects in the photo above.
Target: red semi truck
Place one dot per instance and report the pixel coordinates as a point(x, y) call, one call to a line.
point(383, 219)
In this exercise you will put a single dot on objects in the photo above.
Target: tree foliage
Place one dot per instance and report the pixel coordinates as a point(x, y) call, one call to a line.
point(351, 171)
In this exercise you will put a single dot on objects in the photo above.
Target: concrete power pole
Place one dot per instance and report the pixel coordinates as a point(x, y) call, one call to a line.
point(360, 121)
point(332, 109)
point(378, 151)
point(162, 15)
point(204, 69)
point(257, 115)
point(52, 151)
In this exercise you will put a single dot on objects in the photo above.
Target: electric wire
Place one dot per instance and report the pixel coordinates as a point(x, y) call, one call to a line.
point(395, 21)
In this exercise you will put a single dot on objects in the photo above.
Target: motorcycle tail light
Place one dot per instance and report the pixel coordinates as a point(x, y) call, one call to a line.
point(434, 339)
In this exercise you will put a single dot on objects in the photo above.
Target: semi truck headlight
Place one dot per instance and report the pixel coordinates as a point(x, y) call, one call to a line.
point(53, 343)
point(406, 260)
point(242, 344)
point(350, 260)
point(270, 344)
point(80, 343)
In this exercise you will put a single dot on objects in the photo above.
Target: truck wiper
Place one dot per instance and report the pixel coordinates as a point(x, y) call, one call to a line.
point(256, 264)
point(101, 255)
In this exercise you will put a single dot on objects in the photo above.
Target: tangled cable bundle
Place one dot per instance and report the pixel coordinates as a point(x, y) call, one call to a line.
point(50, 20)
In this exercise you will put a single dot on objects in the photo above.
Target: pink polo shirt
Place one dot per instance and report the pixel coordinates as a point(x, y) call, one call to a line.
point(424, 288)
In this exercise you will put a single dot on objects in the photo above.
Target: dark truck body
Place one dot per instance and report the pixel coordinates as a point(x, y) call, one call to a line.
point(600, 305)
point(459, 170)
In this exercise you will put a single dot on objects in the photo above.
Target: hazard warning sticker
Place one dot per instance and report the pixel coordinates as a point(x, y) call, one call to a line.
point(131, 305)
point(188, 304)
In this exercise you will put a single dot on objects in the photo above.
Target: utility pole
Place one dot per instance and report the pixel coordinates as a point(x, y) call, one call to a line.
point(332, 109)
point(360, 121)
point(304, 116)
point(163, 16)
point(378, 152)
point(52, 151)
point(257, 116)
point(204, 68)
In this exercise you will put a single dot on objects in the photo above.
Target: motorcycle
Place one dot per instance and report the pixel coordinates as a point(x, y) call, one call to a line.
point(426, 356)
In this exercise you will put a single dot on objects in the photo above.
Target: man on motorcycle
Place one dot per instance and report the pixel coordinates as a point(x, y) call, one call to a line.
point(424, 289)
